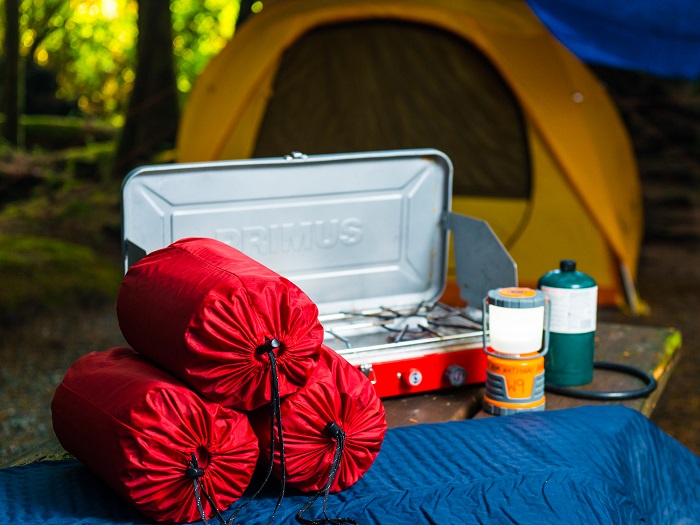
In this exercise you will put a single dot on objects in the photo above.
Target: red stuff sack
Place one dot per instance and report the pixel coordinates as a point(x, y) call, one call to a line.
point(338, 399)
point(152, 439)
point(216, 319)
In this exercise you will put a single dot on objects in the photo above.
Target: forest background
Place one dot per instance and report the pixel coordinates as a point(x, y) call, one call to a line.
point(93, 88)
point(90, 90)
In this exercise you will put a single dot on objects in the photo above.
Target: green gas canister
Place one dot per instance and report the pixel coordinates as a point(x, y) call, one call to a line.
point(573, 297)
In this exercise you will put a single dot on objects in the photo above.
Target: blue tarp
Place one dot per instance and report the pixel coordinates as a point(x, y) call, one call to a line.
point(602, 465)
point(661, 37)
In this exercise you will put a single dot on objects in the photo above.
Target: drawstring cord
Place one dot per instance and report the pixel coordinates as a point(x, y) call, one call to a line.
point(195, 474)
point(275, 417)
point(333, 430)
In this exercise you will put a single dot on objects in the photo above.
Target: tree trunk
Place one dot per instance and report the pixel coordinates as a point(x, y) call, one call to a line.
point(10, 101)
point(153, 112)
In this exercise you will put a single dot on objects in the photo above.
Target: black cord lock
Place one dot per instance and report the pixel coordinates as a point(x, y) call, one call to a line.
point(334, 430)
point(269, 345)
point(193, 471)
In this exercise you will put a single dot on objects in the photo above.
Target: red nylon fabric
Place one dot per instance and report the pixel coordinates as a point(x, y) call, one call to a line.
point(135, 426)
point(200, 309)
point(337, 392)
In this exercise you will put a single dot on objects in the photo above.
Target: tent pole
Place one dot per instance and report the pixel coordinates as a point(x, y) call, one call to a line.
point(636, 305)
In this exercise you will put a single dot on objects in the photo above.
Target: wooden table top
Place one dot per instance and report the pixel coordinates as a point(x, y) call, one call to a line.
point(652, 349)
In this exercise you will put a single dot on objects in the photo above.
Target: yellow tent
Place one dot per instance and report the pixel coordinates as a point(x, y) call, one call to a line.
point(538, 147)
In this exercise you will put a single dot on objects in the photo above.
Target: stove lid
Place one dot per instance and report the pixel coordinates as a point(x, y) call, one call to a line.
point(353, 231)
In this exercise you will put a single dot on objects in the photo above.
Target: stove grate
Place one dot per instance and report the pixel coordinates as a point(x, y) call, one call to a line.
point(387, 325)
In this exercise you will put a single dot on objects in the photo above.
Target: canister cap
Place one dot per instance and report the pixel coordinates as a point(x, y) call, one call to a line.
point(567, 277)
point(516, 297)
point(567, 265)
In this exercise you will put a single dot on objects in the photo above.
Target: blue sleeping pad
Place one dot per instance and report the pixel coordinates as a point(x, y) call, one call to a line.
point(589, 465)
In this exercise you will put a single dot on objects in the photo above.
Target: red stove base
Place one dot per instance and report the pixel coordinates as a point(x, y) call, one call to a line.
point(428, 372)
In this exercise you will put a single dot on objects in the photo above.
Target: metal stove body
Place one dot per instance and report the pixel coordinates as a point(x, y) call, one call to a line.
point(365, 235)
point(428, 347)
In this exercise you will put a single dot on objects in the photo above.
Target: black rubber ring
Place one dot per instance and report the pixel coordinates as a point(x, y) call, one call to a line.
point(650, 385)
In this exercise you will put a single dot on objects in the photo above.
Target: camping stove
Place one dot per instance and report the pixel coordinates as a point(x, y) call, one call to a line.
point(427, 347)
point(365, 235)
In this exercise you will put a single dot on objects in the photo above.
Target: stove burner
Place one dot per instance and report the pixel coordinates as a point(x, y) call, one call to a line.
point(410, 326)
point(410, 323)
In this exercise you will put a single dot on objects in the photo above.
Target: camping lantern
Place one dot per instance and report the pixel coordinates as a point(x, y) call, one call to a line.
point(515, 320)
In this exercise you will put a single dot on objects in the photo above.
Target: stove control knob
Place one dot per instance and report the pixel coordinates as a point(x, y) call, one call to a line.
point(368, 371)
point(455, 375)
point(414, 377)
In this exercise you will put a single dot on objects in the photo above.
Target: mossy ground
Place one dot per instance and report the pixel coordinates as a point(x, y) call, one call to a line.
point(59, 236)
point(41, 274)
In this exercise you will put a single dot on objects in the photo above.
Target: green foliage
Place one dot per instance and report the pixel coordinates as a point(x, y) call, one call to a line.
point(90, 46)
point(201, 31)
point(91, 50)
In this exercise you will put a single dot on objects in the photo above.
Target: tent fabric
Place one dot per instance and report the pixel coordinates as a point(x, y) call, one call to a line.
point(493, 80)
point(203, 311)
point(661, 38)
point(136, 428)
point(336, 393)
point(470, 106)
point(596, 464)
